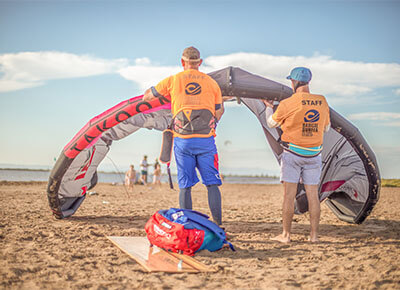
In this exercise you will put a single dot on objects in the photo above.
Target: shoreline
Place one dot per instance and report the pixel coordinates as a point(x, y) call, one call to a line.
point(386, 183)
point(116, 172)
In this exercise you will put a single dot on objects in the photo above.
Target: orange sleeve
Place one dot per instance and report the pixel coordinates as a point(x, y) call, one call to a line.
point(163, 88)
point(280, 114)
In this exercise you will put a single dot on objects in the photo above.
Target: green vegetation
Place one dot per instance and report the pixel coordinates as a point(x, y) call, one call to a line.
point(390, 182)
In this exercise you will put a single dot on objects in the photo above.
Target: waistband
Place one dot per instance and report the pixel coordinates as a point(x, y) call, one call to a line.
point(303, 151)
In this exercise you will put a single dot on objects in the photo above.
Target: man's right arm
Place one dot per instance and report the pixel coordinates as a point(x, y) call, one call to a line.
point(150, 94)
point(270, 121)
point(268, 114)
point(160, 90)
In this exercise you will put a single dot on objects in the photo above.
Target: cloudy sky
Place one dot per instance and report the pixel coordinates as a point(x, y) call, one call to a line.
point(64, 62)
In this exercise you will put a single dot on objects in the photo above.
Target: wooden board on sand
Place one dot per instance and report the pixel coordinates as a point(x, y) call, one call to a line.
point(155, 259)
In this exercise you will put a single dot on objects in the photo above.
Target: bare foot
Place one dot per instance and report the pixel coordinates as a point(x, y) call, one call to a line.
point(281, 238)
point(313, 240)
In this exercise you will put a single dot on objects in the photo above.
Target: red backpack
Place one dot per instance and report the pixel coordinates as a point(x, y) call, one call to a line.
point(184, 231)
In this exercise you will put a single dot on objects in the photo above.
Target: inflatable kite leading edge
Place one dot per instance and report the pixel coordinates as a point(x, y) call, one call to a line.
point(350, 180)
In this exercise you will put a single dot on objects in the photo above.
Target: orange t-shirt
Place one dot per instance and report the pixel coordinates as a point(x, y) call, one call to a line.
point(303, 118)
point(190, 90)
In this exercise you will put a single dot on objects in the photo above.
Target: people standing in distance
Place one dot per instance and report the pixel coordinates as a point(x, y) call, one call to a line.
point(157, 174)
point(144, 165)
point(130, 177)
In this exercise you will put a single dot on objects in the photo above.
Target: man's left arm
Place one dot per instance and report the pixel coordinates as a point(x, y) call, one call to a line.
point(219, 111)
point(328, 122)
point(219, 103)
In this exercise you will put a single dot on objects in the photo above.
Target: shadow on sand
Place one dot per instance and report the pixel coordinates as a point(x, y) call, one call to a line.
point(385, 229)
point(122, 222)
point(388, 232)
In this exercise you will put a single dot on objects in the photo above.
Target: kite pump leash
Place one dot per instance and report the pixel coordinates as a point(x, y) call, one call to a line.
point(120, 176)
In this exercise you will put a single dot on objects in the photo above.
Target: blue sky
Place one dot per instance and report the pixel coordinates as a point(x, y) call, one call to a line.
point(64, 62)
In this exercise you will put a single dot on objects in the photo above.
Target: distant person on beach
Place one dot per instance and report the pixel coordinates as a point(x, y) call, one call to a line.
point(130, 177)
point(157, 174)
point(144, 165)
point(155, 163)
point(196, 105)
point(303, 118)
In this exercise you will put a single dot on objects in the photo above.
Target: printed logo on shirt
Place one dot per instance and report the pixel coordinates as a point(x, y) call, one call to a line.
point(311, 116)
point(309, 129)
point(193, 89)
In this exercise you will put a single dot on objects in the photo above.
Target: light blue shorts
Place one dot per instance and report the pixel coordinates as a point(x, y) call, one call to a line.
point(296, 169)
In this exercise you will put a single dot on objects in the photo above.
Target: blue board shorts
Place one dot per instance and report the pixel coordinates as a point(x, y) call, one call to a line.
point(200, 153)
point(295, 169)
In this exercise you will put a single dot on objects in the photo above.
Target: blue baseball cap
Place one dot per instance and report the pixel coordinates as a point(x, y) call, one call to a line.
point(301, 74)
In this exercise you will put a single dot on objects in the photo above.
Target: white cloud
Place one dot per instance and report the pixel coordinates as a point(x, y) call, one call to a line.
point(393, 124)
point(341, 81)
point(147, 75)
point(387, 119)
point(375, 116)
point(143, 61)
point(330, 76)
point(397, 92)
point(31, 69)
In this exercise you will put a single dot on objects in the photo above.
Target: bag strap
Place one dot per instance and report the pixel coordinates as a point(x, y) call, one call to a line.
point(202, 219)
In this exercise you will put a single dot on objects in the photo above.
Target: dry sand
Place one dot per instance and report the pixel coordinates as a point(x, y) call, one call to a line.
point(39, 252)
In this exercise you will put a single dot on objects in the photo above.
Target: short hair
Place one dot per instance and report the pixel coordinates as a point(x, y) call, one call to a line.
point(191, 54)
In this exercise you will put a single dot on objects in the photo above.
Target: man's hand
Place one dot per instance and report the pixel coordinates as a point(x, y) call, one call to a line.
point(227, 98)
point(268, 103)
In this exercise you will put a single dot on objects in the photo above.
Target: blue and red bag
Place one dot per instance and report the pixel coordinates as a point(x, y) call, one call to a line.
point(184, 231)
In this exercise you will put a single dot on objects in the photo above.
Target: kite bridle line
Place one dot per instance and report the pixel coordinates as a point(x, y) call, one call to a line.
point(120, 175)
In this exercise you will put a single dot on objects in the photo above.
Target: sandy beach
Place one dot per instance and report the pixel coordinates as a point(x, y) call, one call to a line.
point(39, 252)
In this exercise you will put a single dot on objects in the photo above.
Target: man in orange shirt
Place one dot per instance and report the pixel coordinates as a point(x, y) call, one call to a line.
point(303, 118)
point(196, 106)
